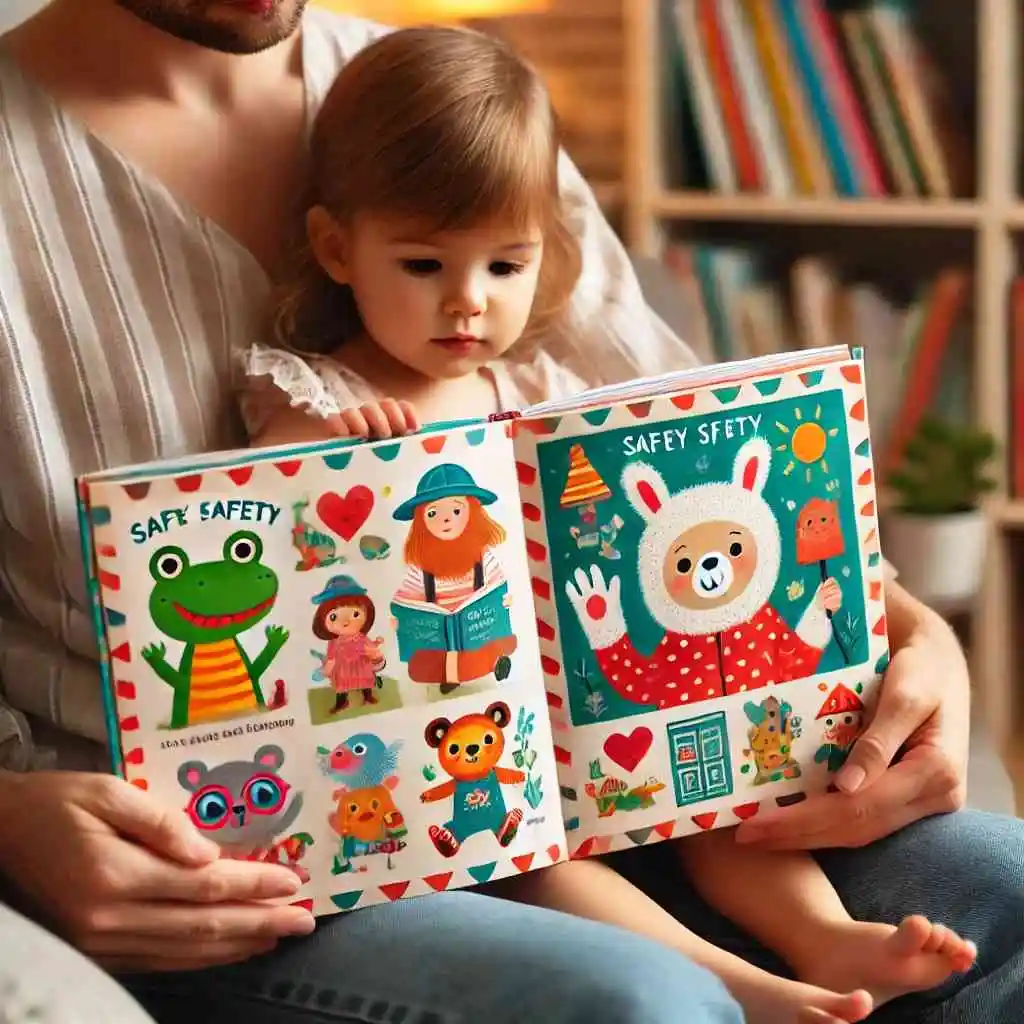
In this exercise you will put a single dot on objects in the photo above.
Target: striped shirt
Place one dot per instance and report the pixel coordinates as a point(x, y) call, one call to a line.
point(450, 592)
point(123, 317)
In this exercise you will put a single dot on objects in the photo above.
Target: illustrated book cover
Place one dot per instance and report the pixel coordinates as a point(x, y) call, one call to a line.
point(404, 666)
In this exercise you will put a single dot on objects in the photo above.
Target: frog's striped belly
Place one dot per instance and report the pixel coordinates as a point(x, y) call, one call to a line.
point(220, 683)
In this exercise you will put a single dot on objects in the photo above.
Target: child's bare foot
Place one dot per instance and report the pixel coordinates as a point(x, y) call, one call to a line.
point(768, 999)
point(887, 961)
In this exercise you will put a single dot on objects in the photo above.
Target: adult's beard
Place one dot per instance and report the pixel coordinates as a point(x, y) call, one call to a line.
point(196, 21)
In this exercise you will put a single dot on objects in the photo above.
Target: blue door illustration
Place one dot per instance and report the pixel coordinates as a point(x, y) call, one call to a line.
point(701, 768)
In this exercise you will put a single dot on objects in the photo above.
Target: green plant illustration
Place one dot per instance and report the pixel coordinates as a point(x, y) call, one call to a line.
point(944, 469)
point(525, 757)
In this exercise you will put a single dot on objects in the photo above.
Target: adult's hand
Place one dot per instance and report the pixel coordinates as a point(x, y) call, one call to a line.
point(132, 883)
point(922, 715)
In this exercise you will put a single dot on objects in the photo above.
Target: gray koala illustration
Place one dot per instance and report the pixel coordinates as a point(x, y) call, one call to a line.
point(241, 804)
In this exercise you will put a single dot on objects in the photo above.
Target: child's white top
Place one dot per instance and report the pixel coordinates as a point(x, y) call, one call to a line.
point(324, 385)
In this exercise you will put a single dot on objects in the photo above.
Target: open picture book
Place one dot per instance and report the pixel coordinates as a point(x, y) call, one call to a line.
point(404, 666)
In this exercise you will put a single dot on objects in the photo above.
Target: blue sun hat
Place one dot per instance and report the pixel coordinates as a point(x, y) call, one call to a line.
point(444, 481)
point(339, 586)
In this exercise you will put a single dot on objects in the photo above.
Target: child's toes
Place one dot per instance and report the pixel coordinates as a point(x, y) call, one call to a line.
point(912, 935)
point(936, 939)
point(961, 953)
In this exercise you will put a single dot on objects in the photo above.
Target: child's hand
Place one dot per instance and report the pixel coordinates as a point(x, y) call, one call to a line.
point(387, 418)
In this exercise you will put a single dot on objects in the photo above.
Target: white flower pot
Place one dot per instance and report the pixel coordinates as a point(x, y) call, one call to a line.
point(939, 558)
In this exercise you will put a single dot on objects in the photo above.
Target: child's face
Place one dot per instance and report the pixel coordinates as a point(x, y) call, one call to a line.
point(345, 620)
point(441, 304)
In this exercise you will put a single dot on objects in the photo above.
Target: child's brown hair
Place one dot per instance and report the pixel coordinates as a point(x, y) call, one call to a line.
point(343, 601)
point(442, 124)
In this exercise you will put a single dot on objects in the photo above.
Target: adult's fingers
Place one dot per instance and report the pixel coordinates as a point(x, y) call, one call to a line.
point(904, 704)
point(175, 959)
point(224, 881)
point(841, 819)
point(148, 929)
point(136, 815)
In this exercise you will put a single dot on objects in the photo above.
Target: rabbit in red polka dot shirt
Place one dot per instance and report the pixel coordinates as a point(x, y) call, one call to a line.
point(708, 561)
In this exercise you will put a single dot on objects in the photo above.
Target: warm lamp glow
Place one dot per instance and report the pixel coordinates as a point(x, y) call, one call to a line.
point(408, 12)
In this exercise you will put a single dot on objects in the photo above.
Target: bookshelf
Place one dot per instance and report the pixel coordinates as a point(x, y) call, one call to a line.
point(993, 218)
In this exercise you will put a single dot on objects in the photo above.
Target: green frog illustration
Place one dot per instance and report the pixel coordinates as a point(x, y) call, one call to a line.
point(206, 606)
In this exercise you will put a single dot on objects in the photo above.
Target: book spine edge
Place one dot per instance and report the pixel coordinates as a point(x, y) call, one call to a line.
point(92, 590)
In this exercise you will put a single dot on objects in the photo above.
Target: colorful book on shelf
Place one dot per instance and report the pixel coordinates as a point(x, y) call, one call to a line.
point(848, 144)
point(805, 148)
point(405, 666)
point(867, 62)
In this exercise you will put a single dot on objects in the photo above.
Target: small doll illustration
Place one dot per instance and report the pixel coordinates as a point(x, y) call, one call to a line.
point(344, 617)
point(451, 609)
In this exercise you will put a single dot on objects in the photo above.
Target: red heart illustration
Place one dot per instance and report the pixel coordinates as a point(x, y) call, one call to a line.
point(628, 751)
point(345, 515)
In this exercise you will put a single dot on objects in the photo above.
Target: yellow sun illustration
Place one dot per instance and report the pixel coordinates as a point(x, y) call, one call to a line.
point(806, 442)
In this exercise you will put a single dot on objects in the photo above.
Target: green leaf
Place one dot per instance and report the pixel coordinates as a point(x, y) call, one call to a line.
point(531, 758)
point(532, 791)
point(517, 758)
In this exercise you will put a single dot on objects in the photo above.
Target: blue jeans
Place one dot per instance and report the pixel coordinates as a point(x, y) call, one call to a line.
point(461, 957)
point(450, 958)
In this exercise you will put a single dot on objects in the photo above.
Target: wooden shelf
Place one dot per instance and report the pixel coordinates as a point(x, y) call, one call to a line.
point(1015, 217)
point(960, 213)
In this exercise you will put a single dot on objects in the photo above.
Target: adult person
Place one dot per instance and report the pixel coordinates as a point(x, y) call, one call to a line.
point(147, 174)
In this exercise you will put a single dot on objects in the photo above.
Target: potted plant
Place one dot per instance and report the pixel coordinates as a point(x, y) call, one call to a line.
point(934, 534)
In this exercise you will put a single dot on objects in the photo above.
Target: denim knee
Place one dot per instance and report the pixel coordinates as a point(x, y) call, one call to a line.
point(644, 983)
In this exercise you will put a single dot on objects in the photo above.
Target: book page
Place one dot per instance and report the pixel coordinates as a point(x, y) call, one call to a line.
point(696, 377)
point(710, 599)
point(269, 681)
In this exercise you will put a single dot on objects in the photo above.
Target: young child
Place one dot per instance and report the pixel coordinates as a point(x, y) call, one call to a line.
point(438, 260)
